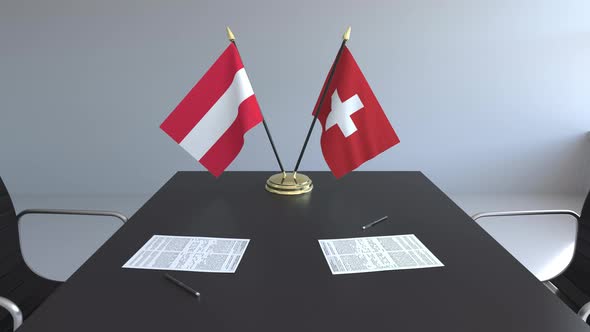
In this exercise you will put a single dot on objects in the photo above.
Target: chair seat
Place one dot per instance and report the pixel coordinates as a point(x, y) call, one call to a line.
point(544, 245)
point(18, 283)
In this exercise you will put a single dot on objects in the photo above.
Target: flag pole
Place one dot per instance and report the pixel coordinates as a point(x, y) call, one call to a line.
point(232, 39)
point(292, 183)
point(345, 38)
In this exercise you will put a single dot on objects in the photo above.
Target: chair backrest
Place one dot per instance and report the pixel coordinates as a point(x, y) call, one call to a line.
point(574, 283)
point(17, 282)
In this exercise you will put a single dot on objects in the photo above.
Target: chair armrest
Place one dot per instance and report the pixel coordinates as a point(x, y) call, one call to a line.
point(73, 212)
point(12, 308)
point(584, 311)
point(524, 213)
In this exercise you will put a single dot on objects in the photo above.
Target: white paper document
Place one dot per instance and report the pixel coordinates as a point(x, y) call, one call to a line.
point(188, 253)
point(377, 253)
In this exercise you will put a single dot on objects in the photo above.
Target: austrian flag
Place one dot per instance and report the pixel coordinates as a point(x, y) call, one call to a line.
point(210, 122)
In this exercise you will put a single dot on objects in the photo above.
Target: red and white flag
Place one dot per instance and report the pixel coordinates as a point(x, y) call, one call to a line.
point(355, 128)
point(210, 122)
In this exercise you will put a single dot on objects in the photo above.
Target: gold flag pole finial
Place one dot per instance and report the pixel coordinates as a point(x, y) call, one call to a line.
point(230, 35)
point(346, 35)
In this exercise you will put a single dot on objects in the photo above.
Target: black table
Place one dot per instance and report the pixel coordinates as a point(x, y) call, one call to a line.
point(283, 282)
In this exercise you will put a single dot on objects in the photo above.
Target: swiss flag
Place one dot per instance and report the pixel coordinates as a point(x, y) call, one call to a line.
point(355, 128)
point(210, 122)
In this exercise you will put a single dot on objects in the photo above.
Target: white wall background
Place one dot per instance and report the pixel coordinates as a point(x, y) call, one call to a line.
point(486, 96)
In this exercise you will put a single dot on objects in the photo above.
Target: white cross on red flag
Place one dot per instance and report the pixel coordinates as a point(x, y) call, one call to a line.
point(211, 121)
point(355, 128)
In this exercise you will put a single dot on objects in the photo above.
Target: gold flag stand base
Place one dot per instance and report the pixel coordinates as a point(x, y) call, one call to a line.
point(289, 184)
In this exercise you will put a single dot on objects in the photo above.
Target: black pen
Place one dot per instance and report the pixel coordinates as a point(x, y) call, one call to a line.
point(182, 285)
point(371, 224)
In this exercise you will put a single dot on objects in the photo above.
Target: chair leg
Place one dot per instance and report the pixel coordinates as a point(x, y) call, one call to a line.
point(17, 315)
point(551, 287)
point(584, 311)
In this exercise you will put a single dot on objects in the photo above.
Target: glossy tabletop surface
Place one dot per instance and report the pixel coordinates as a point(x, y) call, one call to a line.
point(283, 282)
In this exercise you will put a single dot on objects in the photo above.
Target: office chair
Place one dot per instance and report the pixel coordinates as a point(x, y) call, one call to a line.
point(571, 282)
point(21, 290)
